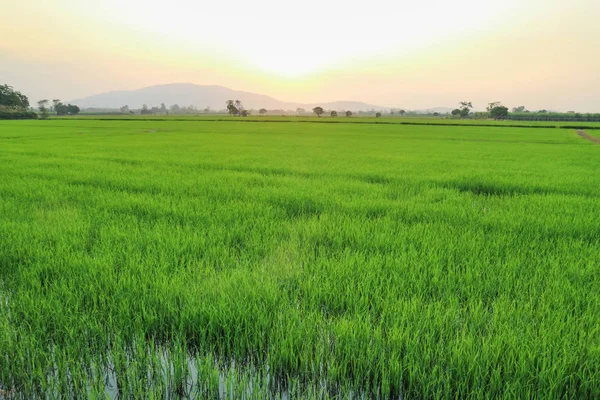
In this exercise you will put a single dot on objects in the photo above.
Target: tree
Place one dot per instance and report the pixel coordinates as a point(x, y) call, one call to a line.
point(61, 109)
point(262, 111)
point(465, 108)
point(499, 112)
point(145, 110)
point(12, 99)
point(42, 106)
point(493, 105)
point(245, 113)
point(436, 114)
point(207, 110)
point(519, 109)
point(300, 111)
point(348, 113)
point(73, 109)
point(334, 113)
point(392, 113)
point(175, 109)
point(231, 108)
point(378, 115)
point(125, 109)
point(55, 102)
point(456, 112)
point(163, 109)
point(318, 111)
point(401, 112)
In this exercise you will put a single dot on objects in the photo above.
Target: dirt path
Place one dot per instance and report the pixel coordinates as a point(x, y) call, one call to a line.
point(588, 137)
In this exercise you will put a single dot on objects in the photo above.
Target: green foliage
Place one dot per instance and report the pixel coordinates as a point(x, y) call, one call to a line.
point(233, 107)
point(465, 109)
point(554, 116)
point(43, 108)
point(6, 114)
point(499, 112)
point(12, 99)
point(66, 109)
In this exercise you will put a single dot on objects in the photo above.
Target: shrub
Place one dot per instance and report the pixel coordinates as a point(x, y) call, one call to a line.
point(5, 114)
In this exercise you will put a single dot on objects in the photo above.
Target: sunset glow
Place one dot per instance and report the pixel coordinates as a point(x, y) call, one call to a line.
point(411, 54)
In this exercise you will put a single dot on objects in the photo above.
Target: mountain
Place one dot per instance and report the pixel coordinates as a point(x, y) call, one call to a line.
point(202, 96)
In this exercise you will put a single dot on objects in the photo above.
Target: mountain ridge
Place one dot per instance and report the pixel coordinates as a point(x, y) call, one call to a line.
point(202, 96)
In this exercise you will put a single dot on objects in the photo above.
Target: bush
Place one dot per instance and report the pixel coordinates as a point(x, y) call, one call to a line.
point(4, 114)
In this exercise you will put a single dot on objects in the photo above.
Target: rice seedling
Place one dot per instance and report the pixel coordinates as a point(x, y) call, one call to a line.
point(165, 259)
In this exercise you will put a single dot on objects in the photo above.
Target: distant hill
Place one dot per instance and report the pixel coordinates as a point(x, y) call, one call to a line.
point(202, 96)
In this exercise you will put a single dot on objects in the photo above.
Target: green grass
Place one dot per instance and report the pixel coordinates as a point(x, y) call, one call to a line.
point(410, 120)
point(169, 258)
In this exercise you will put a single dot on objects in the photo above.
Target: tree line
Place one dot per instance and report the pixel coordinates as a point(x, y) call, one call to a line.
point(15, 105)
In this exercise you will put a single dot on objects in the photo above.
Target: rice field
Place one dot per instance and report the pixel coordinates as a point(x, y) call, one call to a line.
point(203, 259)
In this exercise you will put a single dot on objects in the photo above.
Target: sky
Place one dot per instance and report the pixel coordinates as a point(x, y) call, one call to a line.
point(543, 54)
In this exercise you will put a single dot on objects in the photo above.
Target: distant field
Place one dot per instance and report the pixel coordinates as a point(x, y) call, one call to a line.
point(342, 119)
point(207, 259)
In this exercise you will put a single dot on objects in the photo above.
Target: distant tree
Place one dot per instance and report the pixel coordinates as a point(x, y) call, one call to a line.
point(43, 107)
point(348, 113)
point(499, 112)
point(175, 109)
point(55, 102)
point(436, 114)
point(392, 113)
point(163, 109)
point(125, 109)
point(519, 109)
point(73, 109)
point(207, 110)
point(543, 111)
point(465, 108)
point(262, 111)
point(239, 106)
point(456, 112)
point(61, 109)
point(378, 115)
point(318, 111)
point(402, 112)
point(12, 99)
point(245, 113)
point(145, 110)
point(334, 113)
point(231, 108)
point(493, 105)
point(300, 111)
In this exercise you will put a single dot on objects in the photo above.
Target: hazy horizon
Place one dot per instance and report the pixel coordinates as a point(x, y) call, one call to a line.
point(540, 55)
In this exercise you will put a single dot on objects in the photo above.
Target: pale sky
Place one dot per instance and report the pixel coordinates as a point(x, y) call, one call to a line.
point(409, 54)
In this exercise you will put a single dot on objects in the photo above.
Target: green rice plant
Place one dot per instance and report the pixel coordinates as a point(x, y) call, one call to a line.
point(204, 259)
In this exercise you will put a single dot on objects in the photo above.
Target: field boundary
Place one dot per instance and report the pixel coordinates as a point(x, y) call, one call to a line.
point(587, 136)
point(579, 127)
